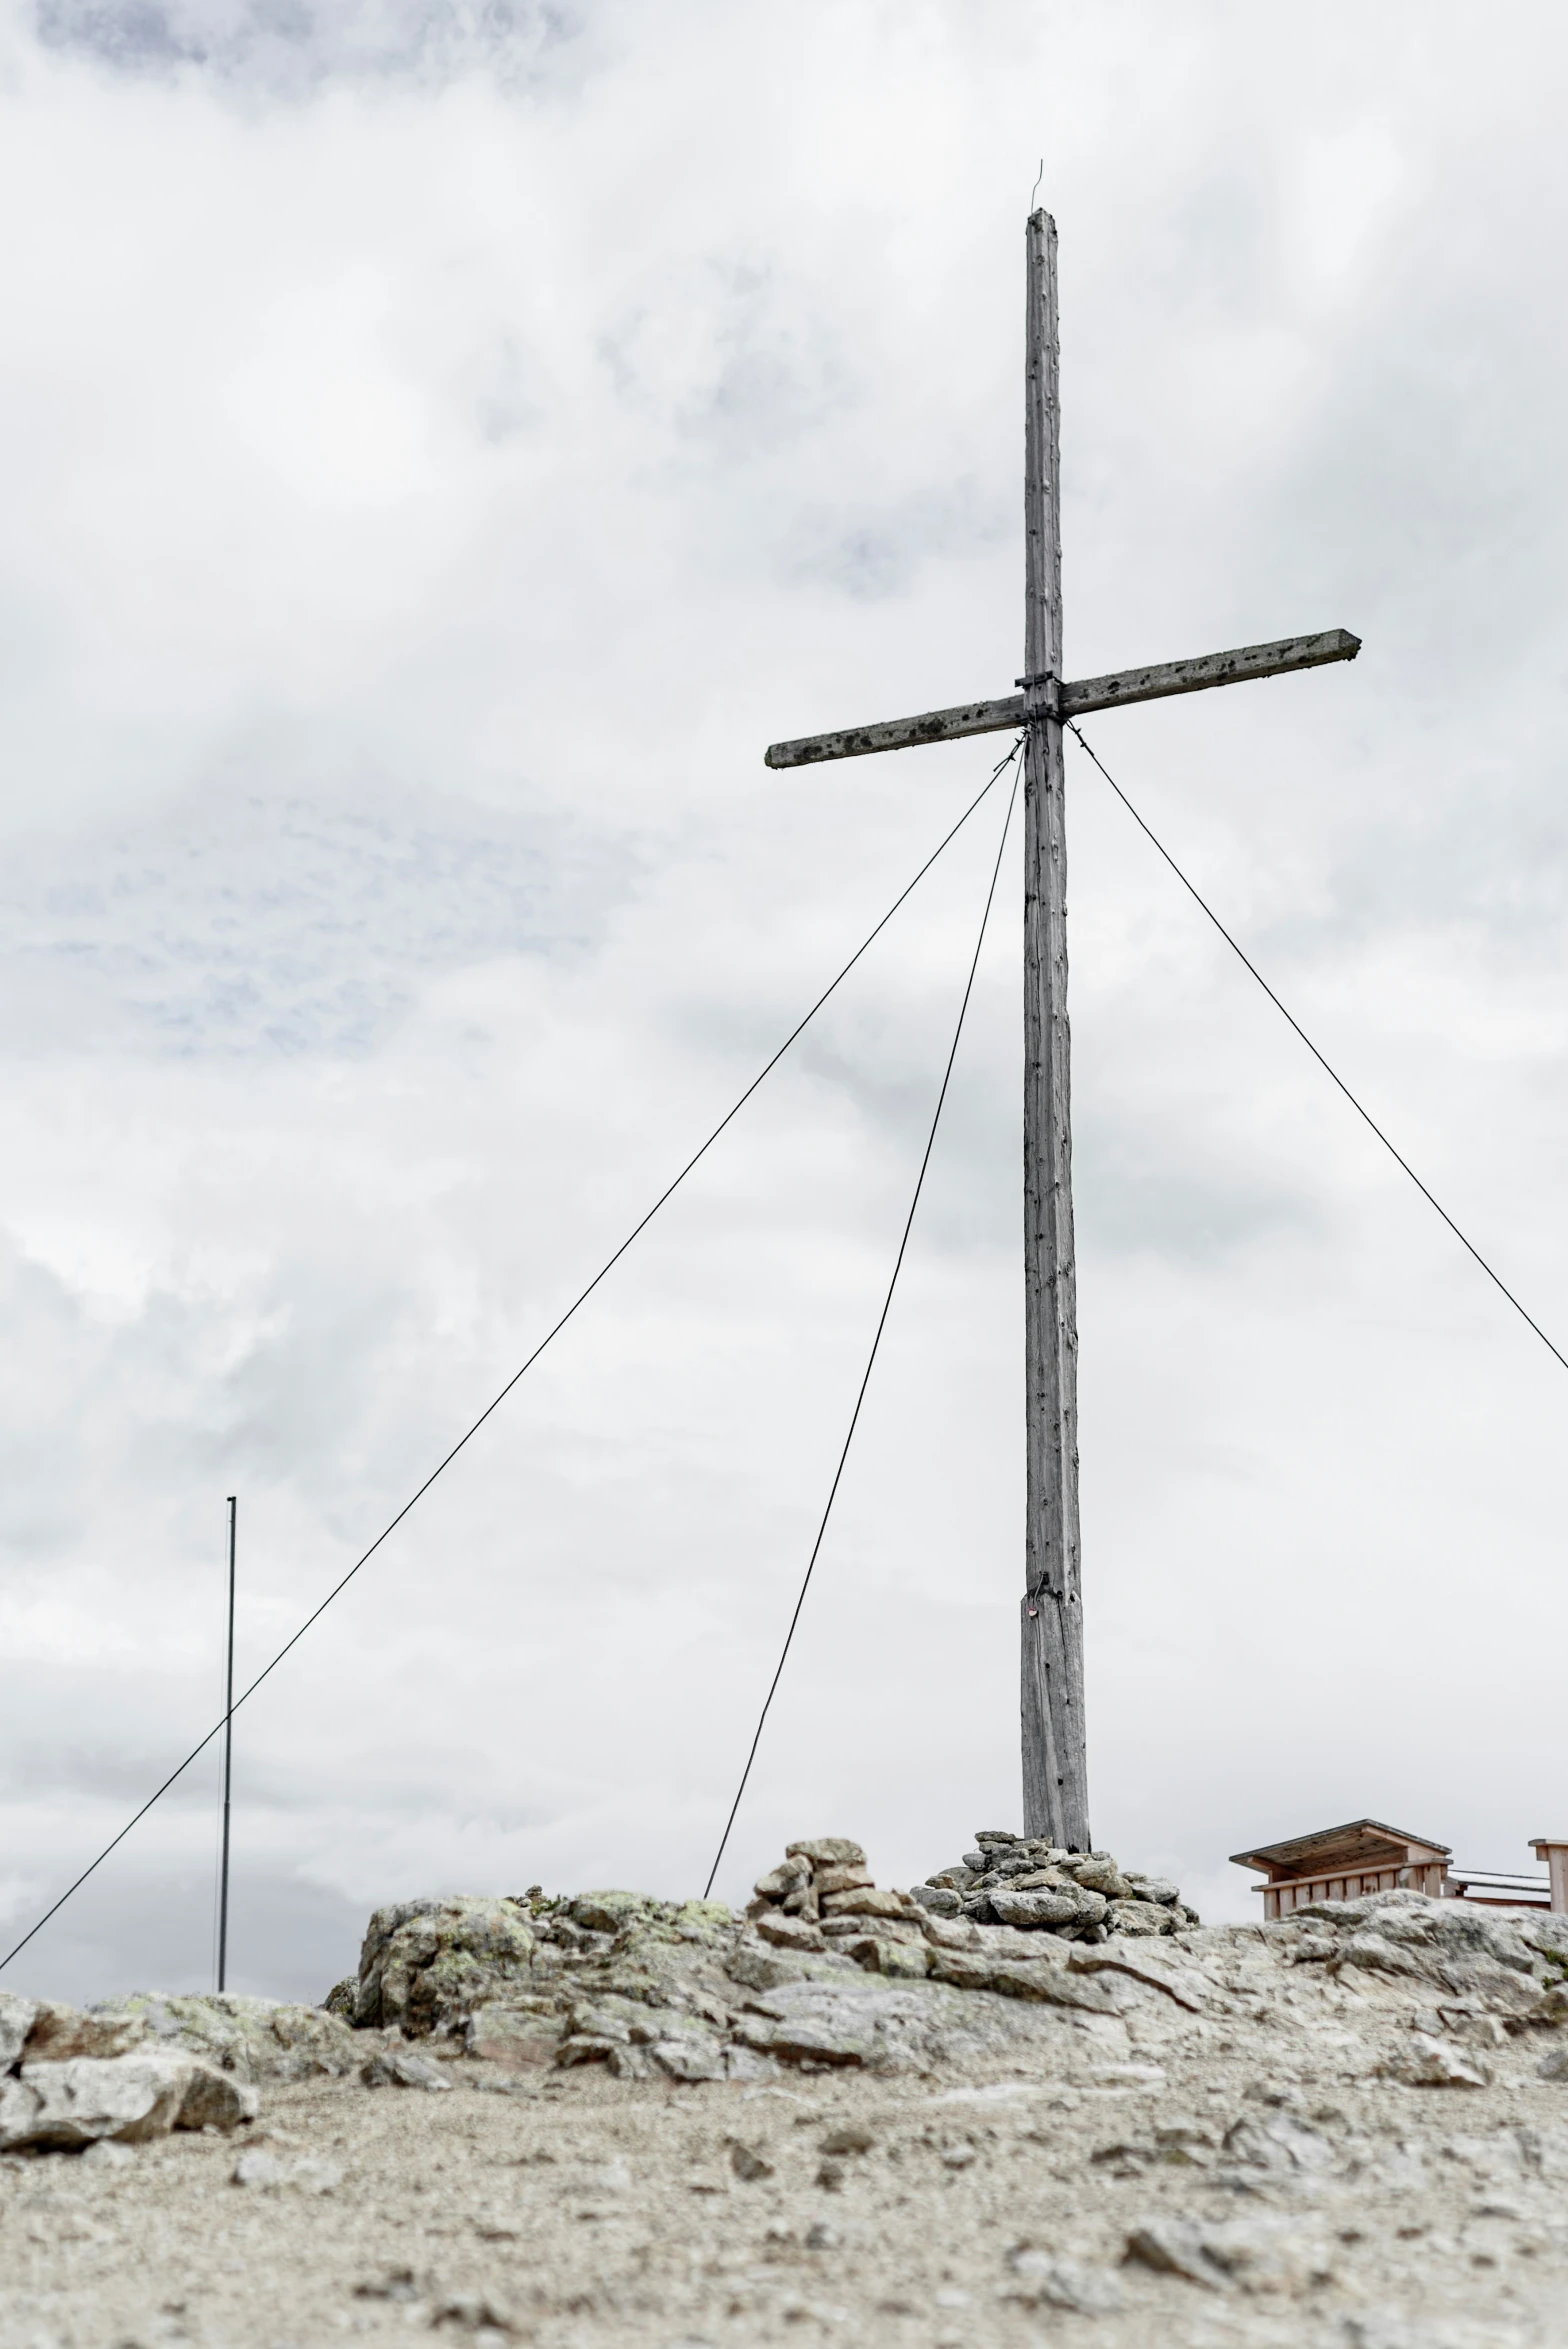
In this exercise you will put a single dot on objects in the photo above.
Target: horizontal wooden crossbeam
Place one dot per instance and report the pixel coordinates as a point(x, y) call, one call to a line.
point(1077, 700)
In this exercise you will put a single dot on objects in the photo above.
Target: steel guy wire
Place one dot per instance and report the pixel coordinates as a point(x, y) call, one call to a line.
point(548, 1339)
point(1328, 1069)
point(887, 1302)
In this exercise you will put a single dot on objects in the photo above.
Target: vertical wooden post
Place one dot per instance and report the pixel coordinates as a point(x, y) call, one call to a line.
point(1554, 1851)
point(1055, 1788)
point(228, 1762)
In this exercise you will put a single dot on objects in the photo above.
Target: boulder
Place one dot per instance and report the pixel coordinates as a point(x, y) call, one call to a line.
point(128, 2098)
point(428, 1963)
point(60, 2032)
point(251, 2038)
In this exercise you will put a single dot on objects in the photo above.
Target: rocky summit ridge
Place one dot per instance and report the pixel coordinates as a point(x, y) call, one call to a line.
point(849, 2114)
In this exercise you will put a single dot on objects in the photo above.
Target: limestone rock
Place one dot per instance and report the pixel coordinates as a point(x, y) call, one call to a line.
point(940, 1899)
point(1156, 1888)
point(689, 2059)
point(1181, 1983)
point(845, 1879)
point(1463, 1952)
point(951, 1932)
point(510, 2036)
point(1035, 1886)
point(1142, 1918)
point(1045, 2281)
point(60, 2032)
point(1068, 1907)
point(902, 1961)
point(128, 2097)
point(1039, 1978)
point(397, 2067)
point(215, 2100)
point(864, 1901)
point(1258, 2255)
point(1099, 1873)
point(1279, 2141)
point(612, 1912)
point(784, 1879)
point(1429, 2063)
point(254, 2038)
point(16, 2020)
point(789, 1932)
point(804, 2041)
point(838, 1930)
point(429, 1962)
point(828, 1851)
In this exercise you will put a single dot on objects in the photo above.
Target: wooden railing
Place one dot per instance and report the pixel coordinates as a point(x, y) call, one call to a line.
point(1499, 1892)
point(1299, 1892)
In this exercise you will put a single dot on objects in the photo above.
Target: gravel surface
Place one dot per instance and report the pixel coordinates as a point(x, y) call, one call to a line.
point(1327, 2153)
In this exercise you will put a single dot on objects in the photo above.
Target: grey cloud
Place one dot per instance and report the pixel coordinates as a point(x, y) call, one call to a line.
point(288, 1937)
point(421, 511)
point(290, 47)
point(250, 919)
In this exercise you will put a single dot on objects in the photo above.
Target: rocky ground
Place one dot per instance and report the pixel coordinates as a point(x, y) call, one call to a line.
point(610, 2120)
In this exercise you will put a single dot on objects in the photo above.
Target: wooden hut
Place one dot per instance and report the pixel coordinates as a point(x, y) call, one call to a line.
point(1343, 1863)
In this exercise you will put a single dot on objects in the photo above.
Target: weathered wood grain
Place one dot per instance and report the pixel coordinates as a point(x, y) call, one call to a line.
point(1164, 678)
point(1051, 1708)
point(1080, 698)
point(858, 742)
point(1055, 1778)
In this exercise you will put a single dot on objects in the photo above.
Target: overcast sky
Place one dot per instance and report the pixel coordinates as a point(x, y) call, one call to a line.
point(440, 446)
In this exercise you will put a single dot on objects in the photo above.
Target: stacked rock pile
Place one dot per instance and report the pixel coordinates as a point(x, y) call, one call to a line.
point(1034, 1886)
point(822, 1896)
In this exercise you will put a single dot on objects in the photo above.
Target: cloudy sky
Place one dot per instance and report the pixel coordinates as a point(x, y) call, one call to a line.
point(440, 446)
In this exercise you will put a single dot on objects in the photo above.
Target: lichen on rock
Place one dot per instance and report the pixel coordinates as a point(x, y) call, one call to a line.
point(426, 1963)
point(251, 2038)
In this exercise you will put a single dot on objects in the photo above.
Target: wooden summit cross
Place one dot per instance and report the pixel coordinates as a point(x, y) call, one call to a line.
point(1056, 1794)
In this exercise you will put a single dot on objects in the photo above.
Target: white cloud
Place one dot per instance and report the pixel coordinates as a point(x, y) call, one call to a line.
point(438, 453)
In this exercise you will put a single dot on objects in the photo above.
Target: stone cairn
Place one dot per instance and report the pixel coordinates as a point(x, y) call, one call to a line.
point(821, 1896)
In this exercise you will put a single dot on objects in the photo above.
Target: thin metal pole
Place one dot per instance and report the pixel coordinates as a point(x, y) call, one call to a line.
point(228, 1763)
